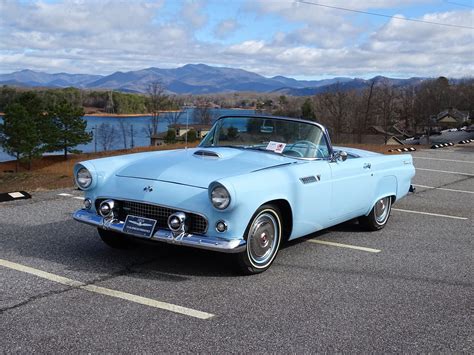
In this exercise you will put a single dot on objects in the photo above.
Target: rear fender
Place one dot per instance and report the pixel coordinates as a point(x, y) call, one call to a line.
point(387, 186)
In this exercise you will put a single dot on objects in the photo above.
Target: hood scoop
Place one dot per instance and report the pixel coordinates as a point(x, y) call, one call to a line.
point(206, 154)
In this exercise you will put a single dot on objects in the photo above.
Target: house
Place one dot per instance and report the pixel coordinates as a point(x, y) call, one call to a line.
point(391, 136)
point(451, 118)
point(181, 129)
point(180, 132)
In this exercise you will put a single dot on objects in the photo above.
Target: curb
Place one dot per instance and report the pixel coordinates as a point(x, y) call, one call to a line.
point(410, 149)
point(16, 195)
point(442, 145)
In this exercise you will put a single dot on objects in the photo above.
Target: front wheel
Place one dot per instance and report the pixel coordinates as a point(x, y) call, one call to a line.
point(263, 236)
point(115, 240)
point(378, 216)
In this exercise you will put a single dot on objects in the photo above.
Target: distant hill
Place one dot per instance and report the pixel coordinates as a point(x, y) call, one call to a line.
point(32, 78)
point(192, 79)
point(347, 85)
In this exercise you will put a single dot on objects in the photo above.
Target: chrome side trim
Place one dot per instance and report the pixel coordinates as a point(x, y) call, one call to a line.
point(309, 179)
point(164, 235)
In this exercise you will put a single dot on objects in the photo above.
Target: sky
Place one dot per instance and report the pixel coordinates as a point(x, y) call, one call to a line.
point(297, 39)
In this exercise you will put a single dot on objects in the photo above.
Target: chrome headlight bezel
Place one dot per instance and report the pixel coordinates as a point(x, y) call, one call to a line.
point(84, 176)
point(219, 196)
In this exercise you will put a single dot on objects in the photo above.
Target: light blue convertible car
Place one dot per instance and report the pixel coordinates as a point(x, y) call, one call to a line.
point(252, 183)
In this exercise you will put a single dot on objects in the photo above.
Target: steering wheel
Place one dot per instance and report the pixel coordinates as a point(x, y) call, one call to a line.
point(309, 145)
point(293, 153)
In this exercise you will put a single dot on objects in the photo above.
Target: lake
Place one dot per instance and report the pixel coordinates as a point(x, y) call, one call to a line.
point(137, 124)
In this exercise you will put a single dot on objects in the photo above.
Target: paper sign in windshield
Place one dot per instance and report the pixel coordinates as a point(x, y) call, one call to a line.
point(276, 147)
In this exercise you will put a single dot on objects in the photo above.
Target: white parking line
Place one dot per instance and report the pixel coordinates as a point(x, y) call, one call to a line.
point(429, 214)
point(64, 194)
point(78, 198)
point(447, 172)
point(105, 291)
point(456, 161)
point(324, 242)
point(444, 189)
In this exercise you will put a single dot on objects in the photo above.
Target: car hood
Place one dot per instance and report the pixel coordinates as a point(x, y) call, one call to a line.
point(200, 169)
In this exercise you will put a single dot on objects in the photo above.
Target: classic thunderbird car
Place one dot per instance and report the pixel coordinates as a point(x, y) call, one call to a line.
point(252, 183)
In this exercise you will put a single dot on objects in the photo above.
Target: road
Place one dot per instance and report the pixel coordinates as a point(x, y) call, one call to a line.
point(408, 288)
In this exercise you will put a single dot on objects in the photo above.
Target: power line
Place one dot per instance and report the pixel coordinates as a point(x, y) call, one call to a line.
point(382, 15)
point(459, 4)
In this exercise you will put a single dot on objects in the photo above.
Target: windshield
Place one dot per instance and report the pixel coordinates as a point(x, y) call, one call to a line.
point(287, 137)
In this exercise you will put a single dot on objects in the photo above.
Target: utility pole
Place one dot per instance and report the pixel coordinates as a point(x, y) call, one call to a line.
point(95, 138)
point(187, 128)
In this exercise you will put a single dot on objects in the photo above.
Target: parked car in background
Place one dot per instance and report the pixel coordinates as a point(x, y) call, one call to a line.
point(252, 183)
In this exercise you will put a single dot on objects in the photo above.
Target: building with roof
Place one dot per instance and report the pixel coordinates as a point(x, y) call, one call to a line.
point(180, 133)
point(451, 118)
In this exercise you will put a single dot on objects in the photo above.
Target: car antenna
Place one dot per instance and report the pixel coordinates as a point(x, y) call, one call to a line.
point(186, 137)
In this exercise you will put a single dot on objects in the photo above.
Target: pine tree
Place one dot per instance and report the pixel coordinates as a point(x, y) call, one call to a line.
point(307, 111)
point(19, 134)
point(170, 136)
point(67, 128)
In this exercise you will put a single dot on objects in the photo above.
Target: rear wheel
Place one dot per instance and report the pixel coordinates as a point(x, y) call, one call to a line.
point(115, 240)
point(263, 236)
point(378, 216)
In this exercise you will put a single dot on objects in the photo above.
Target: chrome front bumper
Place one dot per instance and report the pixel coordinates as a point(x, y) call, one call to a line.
point(164, 235)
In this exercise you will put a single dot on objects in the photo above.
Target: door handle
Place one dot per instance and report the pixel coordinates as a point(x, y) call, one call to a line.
point(367, 165)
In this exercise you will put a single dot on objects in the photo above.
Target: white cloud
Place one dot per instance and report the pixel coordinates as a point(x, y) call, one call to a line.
point(85, 17)
point(225, 28)
point(192, 13)
point(105, 36)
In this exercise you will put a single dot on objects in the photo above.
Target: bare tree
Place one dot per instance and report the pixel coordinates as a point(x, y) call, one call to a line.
point(364, 109)
point(106, 136)
point(335, 105)
point(174, 116)
point(386, 106)
point(406, 109)
point(124, 131)
point(156, 101)
point(202, 112)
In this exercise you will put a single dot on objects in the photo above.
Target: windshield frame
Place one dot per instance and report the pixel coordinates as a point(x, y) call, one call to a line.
point(298, 120)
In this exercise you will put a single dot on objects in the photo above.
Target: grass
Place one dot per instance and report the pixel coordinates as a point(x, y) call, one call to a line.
point(53, 172)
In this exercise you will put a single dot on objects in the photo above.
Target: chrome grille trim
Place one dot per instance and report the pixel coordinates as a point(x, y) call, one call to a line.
point(197, 222)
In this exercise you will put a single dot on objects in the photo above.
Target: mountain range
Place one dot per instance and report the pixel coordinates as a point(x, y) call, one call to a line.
point(193, 79)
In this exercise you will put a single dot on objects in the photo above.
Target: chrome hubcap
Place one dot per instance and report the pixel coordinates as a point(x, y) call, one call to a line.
point(382, 209)
point(262, 240)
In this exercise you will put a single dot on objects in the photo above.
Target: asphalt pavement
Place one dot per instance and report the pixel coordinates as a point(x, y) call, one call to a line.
point(63, 290)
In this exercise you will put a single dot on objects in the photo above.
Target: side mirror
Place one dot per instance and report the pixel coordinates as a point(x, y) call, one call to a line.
point(339, 155)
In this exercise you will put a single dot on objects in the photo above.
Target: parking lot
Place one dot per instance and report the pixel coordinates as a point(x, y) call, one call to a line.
point(406, 288)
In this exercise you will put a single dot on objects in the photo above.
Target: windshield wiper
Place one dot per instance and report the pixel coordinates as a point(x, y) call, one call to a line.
point(252, 147)
point(223, 146)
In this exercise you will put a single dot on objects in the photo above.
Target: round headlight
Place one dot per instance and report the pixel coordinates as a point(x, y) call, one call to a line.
point(83, 178)
point(220, 197)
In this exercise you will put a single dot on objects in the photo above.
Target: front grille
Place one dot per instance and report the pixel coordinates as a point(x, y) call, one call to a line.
point(197, 223)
